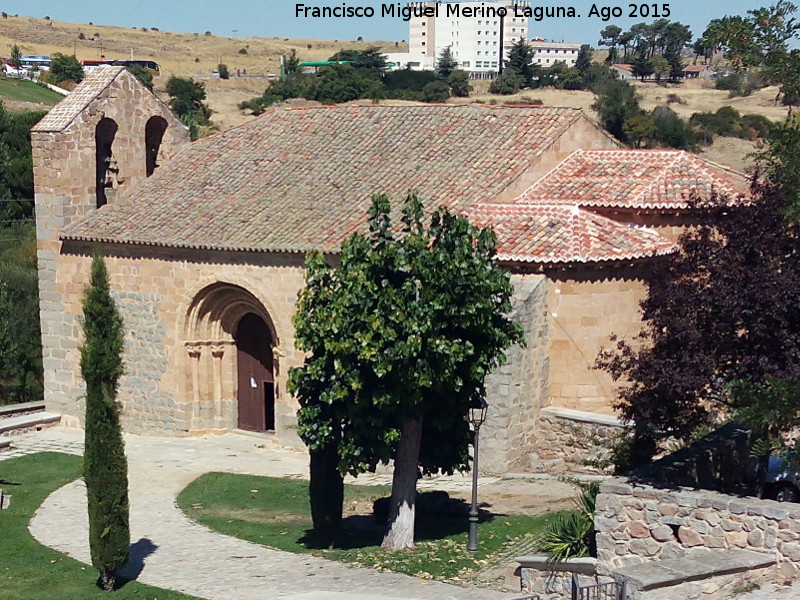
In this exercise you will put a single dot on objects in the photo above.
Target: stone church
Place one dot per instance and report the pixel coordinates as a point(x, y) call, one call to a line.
point(205, 244)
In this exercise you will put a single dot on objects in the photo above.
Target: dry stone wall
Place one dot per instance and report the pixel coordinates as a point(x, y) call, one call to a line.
point(636, 523)
point(573, 439)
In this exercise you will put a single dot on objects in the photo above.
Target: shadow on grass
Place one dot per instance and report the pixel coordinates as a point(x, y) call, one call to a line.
point(133, 568)
point(364, 531)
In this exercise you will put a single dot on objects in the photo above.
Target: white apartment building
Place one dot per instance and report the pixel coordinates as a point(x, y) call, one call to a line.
point(549, 52)
point(477, 33)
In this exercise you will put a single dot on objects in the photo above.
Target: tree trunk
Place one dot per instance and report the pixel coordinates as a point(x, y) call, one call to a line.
point(761, 475)
point(107, 580)
point(326, 491)
point(400, 531)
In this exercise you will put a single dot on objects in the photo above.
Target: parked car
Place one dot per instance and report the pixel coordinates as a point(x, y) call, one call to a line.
point(783, 480)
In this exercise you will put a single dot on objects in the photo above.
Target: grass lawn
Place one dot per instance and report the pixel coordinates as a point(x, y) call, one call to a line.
point(30, 571)
point(27, 91)
point(275, 512)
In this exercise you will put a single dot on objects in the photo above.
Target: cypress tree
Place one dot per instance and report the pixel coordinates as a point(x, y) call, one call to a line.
point(105, 467)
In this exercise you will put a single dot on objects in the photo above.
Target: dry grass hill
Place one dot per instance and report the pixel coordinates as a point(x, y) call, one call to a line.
point(197, 54)
point(178, 53)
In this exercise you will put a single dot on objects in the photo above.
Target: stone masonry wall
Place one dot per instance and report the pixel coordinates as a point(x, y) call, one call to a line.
point(517, 391)
point(154, 289)
point(637, 523)
point(64, 165)
point(586, 306)
point(567, 439)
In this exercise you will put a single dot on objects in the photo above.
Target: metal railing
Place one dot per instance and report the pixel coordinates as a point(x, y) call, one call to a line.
point(598, 591)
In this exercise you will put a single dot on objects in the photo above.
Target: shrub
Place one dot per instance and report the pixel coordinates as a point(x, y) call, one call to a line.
point(571, 534)
point(671, 130)
point(508, 82)
point(458, 81)
point(675, 99)
point(223, 71)
point(81, 36)
point(66, 68)
point(242, 50)
point(435, 91)
point(143, 75)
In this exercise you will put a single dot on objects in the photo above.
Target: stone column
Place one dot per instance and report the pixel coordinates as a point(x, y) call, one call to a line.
point(195, 351)
point(217, 353)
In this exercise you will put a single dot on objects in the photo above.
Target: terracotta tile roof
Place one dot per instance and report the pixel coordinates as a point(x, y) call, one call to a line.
point(637, 179)
point(624, 67)
point(559, 233)
point(695, 68)
point(300, 179)
point(62, 115)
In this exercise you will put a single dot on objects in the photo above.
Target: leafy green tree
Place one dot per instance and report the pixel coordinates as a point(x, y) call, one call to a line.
point(446, 64)
point(291, 64)
point(143, 75)
point(20, 335)
point(16, 164)
point(371, 59)
point(343, 83)
point(436, 91)
point(584, 59)
point(66, 68)
point(639, 130)
point(105, 468)
point(721, 310)
point(779, 161)
point(608, 37)
point(223, 71)
point(520, 60)
point(615, 102)
point(186, 100)
point(660, 67)
point(16, 57)
point(458, 81)
point(672, 131)
point(508, 82)
point(401, 335)
point(596, 75)
point(642, 67)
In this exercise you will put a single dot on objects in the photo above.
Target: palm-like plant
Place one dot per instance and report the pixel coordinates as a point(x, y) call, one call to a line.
point(571, 534)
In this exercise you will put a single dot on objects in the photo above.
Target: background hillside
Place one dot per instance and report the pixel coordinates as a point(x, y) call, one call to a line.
point(185, 54)
point(196, 54)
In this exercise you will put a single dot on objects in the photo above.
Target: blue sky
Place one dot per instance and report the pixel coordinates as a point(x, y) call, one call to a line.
point(268, 18)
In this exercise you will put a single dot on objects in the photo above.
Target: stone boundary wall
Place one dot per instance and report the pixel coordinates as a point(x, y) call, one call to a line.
point(718, 461)
point(637, 522)
point(553, 581)
point(567, 438)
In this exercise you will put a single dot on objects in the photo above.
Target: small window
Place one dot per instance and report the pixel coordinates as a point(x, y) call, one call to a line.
point(423, 33)
point(423, 43)
point(465, 63)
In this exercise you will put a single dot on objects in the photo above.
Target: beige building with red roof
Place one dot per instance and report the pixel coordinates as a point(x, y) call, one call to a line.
point(205, 244)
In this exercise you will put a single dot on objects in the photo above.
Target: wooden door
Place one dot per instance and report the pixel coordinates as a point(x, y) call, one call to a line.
point(255, 373)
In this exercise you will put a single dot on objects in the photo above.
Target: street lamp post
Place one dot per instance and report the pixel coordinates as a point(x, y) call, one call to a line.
point(476, 416)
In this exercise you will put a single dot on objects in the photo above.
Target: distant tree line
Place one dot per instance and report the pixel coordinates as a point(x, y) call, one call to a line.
point(20, 338)
point(358, 74)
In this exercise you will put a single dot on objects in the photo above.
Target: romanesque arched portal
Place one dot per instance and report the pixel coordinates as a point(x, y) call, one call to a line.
point(231, 361)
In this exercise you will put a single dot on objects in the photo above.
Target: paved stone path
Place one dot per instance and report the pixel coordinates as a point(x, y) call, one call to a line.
point(170, 551)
